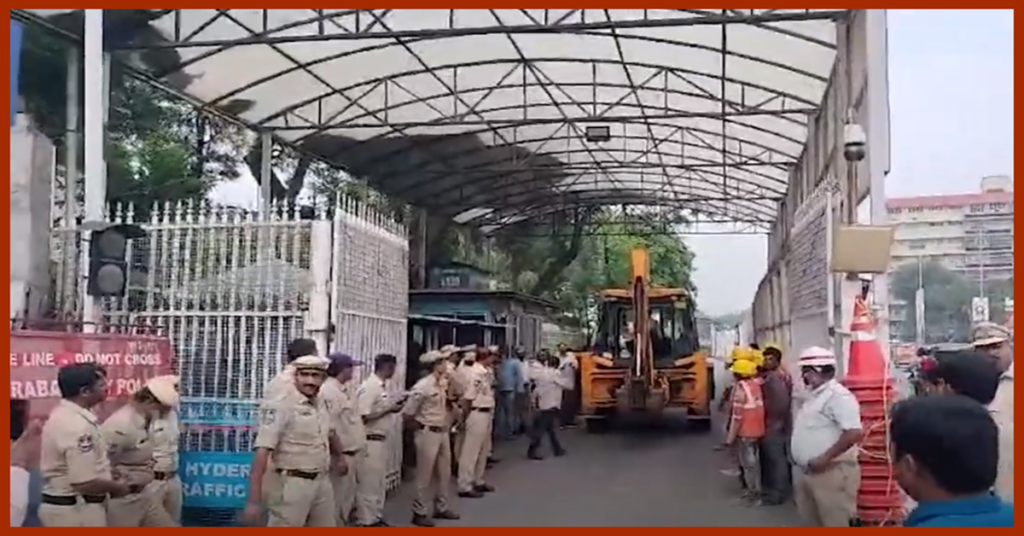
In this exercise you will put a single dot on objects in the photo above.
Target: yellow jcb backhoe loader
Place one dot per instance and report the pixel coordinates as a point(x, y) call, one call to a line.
point(645, 356)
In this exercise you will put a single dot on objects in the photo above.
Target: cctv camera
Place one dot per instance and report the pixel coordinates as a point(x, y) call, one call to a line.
point(855, 143)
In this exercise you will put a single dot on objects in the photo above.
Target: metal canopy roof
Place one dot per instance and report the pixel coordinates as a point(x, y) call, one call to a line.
point(481, 115)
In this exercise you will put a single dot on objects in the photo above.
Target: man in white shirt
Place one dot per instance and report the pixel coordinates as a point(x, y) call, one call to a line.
point(997, 341)
point(567, 367)
point(549, 386)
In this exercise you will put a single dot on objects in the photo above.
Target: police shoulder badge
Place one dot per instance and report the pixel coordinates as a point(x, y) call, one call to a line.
point(85, 443)
point(268, 416)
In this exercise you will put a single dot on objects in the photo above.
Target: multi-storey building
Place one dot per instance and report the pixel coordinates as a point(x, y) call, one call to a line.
point(971, 234)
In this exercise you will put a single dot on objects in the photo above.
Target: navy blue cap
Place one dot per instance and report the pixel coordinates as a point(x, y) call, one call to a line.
point(341, 360)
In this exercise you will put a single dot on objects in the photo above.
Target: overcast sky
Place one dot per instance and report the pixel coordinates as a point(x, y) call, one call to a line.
point(951, 105)
point(951, 101)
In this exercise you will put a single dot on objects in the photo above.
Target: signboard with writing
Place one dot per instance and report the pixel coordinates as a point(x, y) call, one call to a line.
point(215, 479)
point(130, 360)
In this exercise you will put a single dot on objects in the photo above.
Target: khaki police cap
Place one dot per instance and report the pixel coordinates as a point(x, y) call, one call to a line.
point(429, 358)
point(311, 362)
point(164, 389)
point(989, 333)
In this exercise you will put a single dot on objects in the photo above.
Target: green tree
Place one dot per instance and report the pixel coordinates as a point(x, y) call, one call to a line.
point(947, 301)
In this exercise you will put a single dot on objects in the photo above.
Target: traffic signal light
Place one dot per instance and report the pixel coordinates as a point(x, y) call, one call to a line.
point(108, 264)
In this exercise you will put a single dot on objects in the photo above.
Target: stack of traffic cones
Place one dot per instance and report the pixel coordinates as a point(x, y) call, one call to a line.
point(880, 501)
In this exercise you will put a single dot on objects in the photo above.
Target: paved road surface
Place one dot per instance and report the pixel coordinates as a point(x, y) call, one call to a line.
point(641, 479)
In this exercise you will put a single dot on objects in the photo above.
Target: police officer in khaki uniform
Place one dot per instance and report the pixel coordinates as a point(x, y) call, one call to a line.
point(166, 484)
point(477, 409)
point(350, 430)
point(127, 433)
point(73, 458)
point(378, 409)
point(427, 411)
point(460, 378)
point(282, 385)
point(295, 430)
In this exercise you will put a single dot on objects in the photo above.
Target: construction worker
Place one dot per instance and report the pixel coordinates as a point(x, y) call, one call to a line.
point(477, 410)
point(378, 409)
point(165, 433)
point(776, 480)
point(427, 412)
point(77, 477)
point(997, 341)
point(350, 429)
point(295, 430)
point(747, 426)
point(826, 431)
point(128, 435)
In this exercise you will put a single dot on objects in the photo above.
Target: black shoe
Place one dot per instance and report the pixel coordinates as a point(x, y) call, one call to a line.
point(492, 459)
point(422, 521)
point(446, 514)
point(484, 488)
point(379, 523)
point(534, 456)
point(471, 494)
point(559, 453)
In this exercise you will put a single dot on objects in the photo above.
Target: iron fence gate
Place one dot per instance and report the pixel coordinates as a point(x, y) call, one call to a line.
point(232, 289)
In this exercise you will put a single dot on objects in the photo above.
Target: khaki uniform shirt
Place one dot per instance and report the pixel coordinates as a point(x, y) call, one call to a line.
point(427, 402)
point(372, 397)
point(1001, 410)
point(298, 430)
point(480, 387)
point(344, 417)
point(164, 433)
point(131, 450)
point(73, 450)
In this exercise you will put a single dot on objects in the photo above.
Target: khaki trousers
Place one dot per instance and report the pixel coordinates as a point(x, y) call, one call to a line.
point(144, 509)
point(79, 515)
point(433, 472)
point(301, 502)
point(345, 487)
point(372, 483)
point(827, 499)
point(168, 493)
point(475, 448)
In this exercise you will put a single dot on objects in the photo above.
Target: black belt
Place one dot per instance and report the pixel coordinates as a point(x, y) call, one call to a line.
point(164, 475)
point(436, 429)
point(482, 410)
point(71, 500)
point(376, 437)
point(308, 475)
point(350, 452)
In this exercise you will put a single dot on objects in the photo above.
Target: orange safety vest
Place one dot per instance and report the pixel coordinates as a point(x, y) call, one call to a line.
point(748, 409)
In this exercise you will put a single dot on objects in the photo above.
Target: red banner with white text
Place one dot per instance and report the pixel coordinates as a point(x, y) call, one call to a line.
point(129, 360)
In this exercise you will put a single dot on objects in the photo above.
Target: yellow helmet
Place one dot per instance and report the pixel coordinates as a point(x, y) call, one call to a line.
point(739, 353)
point(756, 357)
point(743, 368)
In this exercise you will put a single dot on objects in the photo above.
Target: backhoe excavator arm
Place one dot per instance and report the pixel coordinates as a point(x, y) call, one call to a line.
point(643, 355)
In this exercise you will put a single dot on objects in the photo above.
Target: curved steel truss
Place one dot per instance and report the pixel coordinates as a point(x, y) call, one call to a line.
point(488, 116)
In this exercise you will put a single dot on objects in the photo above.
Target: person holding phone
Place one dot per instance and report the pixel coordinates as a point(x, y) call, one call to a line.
point(378, 409)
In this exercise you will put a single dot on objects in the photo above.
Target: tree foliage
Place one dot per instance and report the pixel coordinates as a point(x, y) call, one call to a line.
point(947, 300)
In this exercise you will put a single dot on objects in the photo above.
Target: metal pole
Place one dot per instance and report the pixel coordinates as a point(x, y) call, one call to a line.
point(95, 169)
point(266, 175)
point(71, 141)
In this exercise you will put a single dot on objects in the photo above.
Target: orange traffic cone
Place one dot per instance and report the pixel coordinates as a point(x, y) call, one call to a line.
point(865, 357)
point(879, 501)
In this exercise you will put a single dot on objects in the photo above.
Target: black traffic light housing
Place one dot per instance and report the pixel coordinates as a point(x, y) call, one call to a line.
point(108, 263)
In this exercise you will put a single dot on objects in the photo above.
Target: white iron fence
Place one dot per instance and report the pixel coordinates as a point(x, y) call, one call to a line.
point(231, 289)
